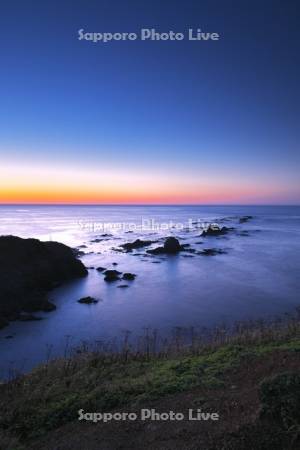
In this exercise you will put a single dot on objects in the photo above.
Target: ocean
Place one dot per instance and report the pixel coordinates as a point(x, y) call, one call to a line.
point(256, 277)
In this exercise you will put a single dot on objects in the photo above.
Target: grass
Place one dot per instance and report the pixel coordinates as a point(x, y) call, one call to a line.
point(51, 395)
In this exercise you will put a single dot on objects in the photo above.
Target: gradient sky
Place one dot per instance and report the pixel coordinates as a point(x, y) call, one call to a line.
point(150, 122)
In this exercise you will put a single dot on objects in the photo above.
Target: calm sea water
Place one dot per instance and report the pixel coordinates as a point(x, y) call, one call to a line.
point(256, 278)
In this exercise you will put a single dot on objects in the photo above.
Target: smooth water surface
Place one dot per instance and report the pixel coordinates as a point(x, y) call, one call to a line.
point(256, 278)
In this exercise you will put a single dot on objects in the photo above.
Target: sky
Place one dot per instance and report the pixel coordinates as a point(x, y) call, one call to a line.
point(192, 122)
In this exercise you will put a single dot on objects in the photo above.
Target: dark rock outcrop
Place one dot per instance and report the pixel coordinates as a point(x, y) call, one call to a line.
point(245, 219)
point(215, 230)
point(48, 306)
point(115, 275)
point(138, 243)
point(112, 275)
point(87, 300)
point(171, 247)
point(77, 253)
point(129, 276)
point(30, 268)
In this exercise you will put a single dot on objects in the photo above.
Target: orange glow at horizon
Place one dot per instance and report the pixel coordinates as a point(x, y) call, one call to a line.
point(63, 196)
point(37, 185)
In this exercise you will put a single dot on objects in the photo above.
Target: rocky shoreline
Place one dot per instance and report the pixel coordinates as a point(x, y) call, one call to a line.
point(29, 269)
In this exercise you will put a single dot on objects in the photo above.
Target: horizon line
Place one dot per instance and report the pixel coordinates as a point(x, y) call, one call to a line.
point(148, 204)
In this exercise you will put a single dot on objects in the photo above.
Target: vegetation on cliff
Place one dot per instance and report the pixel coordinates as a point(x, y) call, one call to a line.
point(251, 378)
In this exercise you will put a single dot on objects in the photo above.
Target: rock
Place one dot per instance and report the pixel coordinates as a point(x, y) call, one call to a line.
point(103, 237)
point(226, 219)
point(101, 269)
point(245, 219)
point(138, 243)
point(215, 230)
point(30, 268)
point(24, 317)
point(48, 306)
point(128, 276)
point(157, 251)
point(87, 300)
point(112, 272)
point(114, 264)
point(77, 252)
point(212, 251)
point(188, 250)
point(171, 247)
point(112, 275)
point(244, 233)
point(3, 322)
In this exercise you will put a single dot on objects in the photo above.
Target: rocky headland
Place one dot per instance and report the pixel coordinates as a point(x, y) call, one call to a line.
point(29, 269)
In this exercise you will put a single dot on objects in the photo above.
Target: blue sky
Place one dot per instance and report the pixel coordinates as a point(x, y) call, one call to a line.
point(194, 111)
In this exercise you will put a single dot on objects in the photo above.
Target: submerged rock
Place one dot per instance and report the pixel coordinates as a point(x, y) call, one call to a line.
point(138, 243)
point(212, 251)
point(244, 233)
point(87, 300)
point(189, 250)
point(30, 268)
point(245, 219)
point(129, 276)
point(123, 286)
point(215, 230)
point(101, 269)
